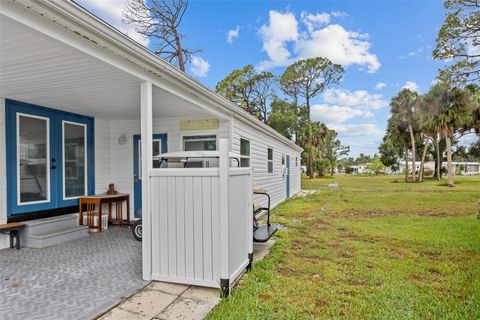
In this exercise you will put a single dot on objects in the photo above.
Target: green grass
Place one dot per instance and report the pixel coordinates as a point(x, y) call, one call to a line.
point(374, 248)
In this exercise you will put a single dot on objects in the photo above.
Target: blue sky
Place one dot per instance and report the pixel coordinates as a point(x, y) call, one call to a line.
point(383, 45)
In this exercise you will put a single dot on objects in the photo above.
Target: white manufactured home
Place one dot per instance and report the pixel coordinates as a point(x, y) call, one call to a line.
point(78, 99)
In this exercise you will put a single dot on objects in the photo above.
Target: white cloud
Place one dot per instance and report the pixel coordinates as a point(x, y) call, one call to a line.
point(468, 139)
point(233, 34)
point(380, 85)
point(337, 114)
point(356, 130)
point(112, 12)
point(282, 27)
point(339, 45)
point(366, 147)
point(199, 67)
point(359, 99)
point(331, 41)
point(411, 86)
point(313, 21)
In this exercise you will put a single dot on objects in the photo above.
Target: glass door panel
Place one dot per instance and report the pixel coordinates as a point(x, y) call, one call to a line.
point(33, 178)
point(74, 160)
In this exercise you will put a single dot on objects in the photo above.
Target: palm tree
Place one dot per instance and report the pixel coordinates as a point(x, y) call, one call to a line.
point(451, 110)
point(319, 134)
point(397, 136)
point(404, 115)
point(428, 127)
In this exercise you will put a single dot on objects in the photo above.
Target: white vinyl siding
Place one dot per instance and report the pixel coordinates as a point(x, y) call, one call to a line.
point(260, 141)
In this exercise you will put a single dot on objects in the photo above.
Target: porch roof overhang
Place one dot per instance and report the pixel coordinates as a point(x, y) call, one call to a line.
point(75, 27)
point(40, 70)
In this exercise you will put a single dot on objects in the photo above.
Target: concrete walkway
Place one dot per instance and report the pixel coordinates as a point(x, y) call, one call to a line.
point(161, 300)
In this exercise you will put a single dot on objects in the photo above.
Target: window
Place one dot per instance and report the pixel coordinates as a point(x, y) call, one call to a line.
point(200, 143)
point(244, 153)
point(296, 161)
point(270, 160)
point(283, 159)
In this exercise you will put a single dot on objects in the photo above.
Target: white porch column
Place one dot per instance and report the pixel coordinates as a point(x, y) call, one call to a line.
point(224, 227)
point(146, 115)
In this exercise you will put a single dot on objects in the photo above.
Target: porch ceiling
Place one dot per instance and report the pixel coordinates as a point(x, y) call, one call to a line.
point(38, 69)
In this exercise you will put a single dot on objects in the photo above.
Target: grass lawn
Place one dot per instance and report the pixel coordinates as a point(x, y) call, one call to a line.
point(374, 248)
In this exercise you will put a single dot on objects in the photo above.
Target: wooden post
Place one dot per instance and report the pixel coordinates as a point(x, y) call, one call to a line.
point(146, 112)
point(224, 212)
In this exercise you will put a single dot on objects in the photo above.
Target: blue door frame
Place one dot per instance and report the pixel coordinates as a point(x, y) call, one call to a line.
point(55, 120)
point(137, 182)
point(287, 176)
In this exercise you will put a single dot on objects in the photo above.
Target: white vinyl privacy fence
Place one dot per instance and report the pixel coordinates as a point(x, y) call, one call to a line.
point(201, 223)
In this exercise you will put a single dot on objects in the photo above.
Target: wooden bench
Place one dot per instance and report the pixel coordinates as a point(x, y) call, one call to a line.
point(13, 229)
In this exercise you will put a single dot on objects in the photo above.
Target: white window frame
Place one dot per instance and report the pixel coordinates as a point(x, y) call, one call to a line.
point(249, 151)
point(270, 161)
point(201, 134)
point(47, 156)
point(86, 158)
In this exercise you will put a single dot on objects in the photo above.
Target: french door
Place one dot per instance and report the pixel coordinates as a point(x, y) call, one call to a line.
point(49, 158)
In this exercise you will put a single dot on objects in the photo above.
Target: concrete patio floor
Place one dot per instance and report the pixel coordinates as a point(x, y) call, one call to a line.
point(97, 276)
point(75, 280)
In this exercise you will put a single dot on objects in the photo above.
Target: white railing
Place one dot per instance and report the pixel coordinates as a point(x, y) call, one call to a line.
point(201, 223)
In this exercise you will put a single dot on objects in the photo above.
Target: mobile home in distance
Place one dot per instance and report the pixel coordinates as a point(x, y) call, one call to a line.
point(79, 99)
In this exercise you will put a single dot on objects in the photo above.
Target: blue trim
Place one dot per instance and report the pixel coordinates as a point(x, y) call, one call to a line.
point(137, 184)
point(55, 117)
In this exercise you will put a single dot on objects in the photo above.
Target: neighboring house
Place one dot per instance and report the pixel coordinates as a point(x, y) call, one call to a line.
point(464, 168)
point(75, 96)
point(401, 166)
point(359, 169)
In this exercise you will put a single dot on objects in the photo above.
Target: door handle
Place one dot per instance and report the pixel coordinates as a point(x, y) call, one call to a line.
point(53, 167)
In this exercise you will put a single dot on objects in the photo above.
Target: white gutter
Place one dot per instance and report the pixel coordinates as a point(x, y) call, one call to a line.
point(141, 56)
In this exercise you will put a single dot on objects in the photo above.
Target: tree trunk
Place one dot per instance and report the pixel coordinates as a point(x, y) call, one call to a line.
point(310, 140)
point(295, 100)
point(412, 141)
point(422, 164)
point(449, 160)
point(406, 162)
point(439, 159)
point(181, 63)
